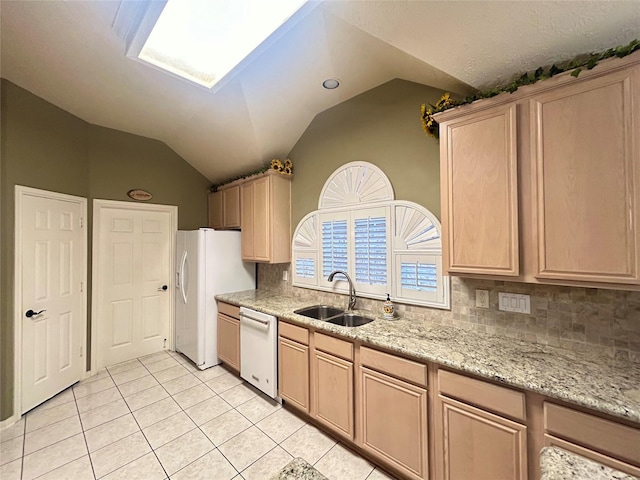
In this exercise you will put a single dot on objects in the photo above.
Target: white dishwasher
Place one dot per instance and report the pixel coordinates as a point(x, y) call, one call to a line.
point(259, 350)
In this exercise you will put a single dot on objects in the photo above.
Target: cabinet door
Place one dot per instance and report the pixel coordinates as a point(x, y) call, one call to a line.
point(215, 210)
point(293, 373)
point(479, 193)
point(586, 157)
point(333, 392)
point(480, 445)
point(261, 219)
point(231, 211)
point(229, 341)
point(393, 422)
point(246, 192)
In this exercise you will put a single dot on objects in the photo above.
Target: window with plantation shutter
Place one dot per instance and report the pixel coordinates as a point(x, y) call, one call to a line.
point(305, 267)
point(371, 250)
point(385, 245)
point(334, 246)
point(419, 276)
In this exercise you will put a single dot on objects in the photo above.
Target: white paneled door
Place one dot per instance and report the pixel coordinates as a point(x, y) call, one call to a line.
point(132, 287)
point(51, 266)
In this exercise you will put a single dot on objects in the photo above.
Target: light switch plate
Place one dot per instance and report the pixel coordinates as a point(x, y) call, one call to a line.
point(285, 275)
point(482, 298)
point(514, 302)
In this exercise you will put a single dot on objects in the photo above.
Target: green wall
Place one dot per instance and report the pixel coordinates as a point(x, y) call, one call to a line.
point(45, 147)
point(381, 126)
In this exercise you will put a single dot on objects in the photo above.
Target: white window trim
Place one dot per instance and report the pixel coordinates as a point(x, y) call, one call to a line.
point(347, 187)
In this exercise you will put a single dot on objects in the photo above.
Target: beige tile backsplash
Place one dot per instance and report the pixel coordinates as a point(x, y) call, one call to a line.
point(568, 317)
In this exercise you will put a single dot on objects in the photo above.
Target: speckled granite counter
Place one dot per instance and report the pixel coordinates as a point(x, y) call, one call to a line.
point(559, 464)
point(299, 469)
point(593, 381)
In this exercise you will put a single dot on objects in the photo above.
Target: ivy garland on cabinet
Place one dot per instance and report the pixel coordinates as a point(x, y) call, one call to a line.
point(283, 167)
point(588, 61)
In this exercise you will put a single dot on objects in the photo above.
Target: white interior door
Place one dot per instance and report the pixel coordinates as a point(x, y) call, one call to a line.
point(133, 280)
point(51, 260)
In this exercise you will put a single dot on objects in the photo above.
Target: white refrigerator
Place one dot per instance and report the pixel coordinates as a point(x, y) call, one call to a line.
point(208, 262)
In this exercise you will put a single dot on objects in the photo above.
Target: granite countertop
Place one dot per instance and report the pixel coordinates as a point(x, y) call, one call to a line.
point(299, 469)
point(559, 464)
point(587, 379)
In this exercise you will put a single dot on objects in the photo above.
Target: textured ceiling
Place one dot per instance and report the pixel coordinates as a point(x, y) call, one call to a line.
point(67, 53)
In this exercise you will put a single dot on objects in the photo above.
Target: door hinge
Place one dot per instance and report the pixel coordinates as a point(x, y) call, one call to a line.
point(81, 222)
point(80, 351)
point(81, 287)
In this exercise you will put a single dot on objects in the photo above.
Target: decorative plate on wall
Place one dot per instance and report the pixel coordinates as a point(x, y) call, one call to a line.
point(138, 194)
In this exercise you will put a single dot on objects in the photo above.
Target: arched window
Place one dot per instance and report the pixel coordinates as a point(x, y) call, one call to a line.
point(386, 245)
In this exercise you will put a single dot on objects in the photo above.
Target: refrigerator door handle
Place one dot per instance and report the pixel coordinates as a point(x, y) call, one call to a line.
point(183, 264)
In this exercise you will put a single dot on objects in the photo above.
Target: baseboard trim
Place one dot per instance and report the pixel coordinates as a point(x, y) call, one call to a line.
point(9, 422)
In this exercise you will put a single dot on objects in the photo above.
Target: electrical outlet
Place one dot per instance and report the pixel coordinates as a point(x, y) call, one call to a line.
point(513, 302)
point(285, 275)
point(482, 298)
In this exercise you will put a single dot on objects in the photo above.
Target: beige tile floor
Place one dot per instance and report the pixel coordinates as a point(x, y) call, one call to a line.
point(159, 417)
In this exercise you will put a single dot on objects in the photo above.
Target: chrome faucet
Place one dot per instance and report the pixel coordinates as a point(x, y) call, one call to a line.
point(352, 289)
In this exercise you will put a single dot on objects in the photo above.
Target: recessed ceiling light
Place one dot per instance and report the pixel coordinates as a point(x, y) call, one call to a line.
point(204, 40)
point(331, 83)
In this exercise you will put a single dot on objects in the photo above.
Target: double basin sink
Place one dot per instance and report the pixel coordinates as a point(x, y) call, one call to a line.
point(333, 315)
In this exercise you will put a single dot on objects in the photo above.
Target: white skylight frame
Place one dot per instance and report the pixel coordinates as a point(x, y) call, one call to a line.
point(138, 46)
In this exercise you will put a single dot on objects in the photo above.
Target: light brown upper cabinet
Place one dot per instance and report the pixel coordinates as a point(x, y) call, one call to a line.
point(479, 182)
point(543, 185)
point(266, 219)
point(224, 208)
point(215, 210)
point(586, 159)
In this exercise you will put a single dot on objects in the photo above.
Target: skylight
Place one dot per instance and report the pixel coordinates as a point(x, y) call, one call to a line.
point(203, 40)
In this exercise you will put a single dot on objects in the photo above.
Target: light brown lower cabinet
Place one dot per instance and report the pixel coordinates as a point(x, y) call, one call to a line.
point(393, 416)
point(480, 445)
point(229, 341)
point(293, 373)
point(379, 403)
point(333, 392)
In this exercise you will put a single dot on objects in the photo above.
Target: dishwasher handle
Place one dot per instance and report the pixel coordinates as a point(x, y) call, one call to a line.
point(248, 317)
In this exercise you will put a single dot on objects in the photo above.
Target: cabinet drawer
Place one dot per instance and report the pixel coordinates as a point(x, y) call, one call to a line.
point(594, 432)
point(333, 345)
point(505, 401)
point(230, 310)
point(298, 334)
point(396, 366)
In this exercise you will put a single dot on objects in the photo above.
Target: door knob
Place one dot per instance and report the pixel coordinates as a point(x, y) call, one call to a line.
point(163, 288)
point(30, 313)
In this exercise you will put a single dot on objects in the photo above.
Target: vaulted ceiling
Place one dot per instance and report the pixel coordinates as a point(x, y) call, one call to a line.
point(68, 53)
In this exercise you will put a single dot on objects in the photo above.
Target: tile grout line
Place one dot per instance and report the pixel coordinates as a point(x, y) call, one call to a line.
point(216, 447)
point(198, 427)
point(70, 461)
point(24, 441)
point(140, 430)
point(93, 470)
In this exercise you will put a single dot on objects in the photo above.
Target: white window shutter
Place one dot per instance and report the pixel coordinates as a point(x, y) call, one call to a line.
point(385, 245)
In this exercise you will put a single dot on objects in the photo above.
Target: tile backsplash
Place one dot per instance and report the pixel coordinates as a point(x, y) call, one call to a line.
point(568, 317)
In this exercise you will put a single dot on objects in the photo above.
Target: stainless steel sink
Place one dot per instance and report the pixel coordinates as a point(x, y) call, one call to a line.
point(319, 312)
point(349, 320)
